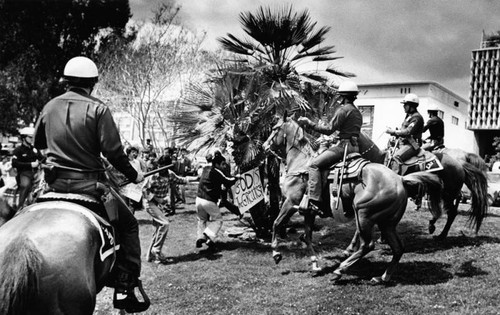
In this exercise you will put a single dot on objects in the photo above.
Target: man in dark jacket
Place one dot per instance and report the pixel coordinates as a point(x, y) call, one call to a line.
point(25, 160)
point(209, 193)
point(77, 128)
point(435, 125)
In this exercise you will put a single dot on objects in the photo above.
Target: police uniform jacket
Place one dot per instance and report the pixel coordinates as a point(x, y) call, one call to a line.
point(411, 129)
point(435, 125)
point(347, 120)
point(76, 128)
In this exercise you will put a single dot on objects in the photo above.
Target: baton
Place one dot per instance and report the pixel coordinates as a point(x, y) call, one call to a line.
point(339, 188)
point(149, 173)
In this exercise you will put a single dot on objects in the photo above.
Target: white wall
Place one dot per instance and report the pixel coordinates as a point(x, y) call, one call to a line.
point(389, 112)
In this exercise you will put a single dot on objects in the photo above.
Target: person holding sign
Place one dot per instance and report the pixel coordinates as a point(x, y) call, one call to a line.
point(209, 193)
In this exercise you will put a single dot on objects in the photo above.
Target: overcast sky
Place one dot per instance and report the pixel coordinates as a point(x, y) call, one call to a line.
point(381, 41)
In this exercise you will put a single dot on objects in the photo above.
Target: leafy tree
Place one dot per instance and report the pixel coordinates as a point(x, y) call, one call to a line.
point(39, 37)
point(141, 70)
point(266, 79)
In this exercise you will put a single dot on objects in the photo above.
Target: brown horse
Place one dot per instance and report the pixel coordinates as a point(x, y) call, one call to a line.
point(459, 167)
point(51, 260)
point(379, 197)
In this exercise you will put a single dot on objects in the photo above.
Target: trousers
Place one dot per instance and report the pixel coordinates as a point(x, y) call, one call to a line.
point(24, 184)
point(161, 224)
point(209, 218)
point(324, 161)
point(128, 258)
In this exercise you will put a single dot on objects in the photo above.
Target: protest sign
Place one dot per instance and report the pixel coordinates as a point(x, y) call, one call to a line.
point(248, 191)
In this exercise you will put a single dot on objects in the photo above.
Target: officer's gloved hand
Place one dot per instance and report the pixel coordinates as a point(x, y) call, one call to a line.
point(139, 178)
point(35, 164)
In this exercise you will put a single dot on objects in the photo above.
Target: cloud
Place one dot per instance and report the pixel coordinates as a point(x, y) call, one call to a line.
point(381, 41)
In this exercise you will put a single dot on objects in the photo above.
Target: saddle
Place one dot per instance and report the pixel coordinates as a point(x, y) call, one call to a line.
point(91, 208)
point(423, 161)
point(354, 164)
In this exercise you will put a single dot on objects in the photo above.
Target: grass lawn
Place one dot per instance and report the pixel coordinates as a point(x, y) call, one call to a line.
point(458, 276)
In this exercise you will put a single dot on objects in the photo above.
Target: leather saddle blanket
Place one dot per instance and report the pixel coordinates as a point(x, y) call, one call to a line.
point(354, 164)
point(77, 202)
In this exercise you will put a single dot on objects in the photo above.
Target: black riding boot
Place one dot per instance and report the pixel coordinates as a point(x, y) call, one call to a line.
point(124, 296)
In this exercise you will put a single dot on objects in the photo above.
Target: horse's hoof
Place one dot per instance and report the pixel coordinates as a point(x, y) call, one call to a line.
point(335, 278)
point(277, 258)
point(376, 281)
point(432, 228)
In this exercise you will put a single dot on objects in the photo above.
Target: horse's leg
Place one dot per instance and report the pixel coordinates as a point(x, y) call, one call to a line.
point(308, 231)
point(286, 211)
point(451, 208)
point(397, 248)
point(353, 246)
point(365, 230)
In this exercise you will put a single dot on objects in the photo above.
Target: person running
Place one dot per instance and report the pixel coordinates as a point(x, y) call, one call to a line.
point(209, 193)
point(77, 128)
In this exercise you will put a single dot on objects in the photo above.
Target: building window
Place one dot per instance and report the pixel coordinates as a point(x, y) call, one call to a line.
point(405, 90)
point(454, 120)
point(455, 103)
point(440, 114)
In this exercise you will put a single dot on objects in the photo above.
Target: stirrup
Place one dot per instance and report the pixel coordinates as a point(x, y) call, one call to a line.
point(126, 299)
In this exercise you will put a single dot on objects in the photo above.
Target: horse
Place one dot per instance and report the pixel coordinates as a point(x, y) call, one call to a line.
point(53, 259)
point(459, 167)
point(379, 197)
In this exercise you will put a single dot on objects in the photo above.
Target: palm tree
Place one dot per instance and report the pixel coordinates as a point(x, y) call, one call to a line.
point(242, 96)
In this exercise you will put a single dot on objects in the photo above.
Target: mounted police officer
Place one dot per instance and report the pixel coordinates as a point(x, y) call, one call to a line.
point(410, 134)
point(76, 129)
point(347, 120)
point(435, 125)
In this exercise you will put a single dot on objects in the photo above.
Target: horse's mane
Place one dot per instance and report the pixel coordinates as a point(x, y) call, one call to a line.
point(304, 140)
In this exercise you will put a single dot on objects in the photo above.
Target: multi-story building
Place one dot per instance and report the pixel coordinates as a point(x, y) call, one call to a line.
point(484, 109)
point(381, 107)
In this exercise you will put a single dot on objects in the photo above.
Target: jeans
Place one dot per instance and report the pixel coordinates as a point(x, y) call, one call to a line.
point(209, 218)
point(324, 161)
point(161, 224)
point(128, 258)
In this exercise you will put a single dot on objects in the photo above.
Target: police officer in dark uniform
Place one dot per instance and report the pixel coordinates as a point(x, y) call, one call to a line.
point(435, 125)
point(25, 160)
point(410, 134)
point(347, 120)
point(77, 128)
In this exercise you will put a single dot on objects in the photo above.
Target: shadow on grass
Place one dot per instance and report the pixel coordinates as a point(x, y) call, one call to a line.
point(408, 273)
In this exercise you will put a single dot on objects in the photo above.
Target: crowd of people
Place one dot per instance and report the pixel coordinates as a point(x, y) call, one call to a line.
point(76, 131)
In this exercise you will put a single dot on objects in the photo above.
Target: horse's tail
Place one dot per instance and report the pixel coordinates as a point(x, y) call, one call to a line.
point(20, 266)
point(477, 182)
point(425, 182)
point(477, 161)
